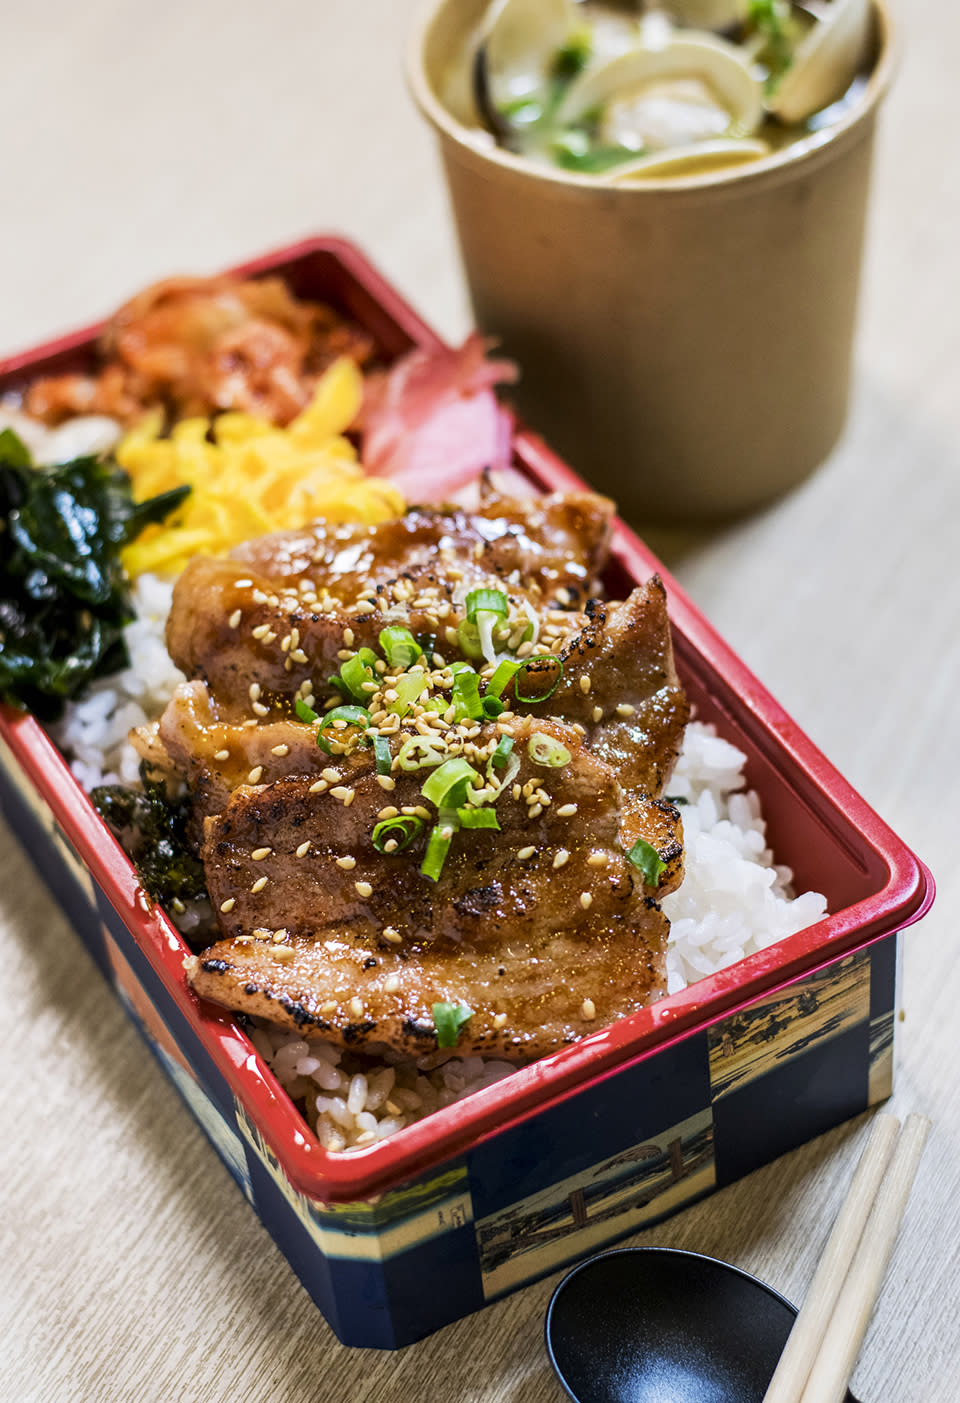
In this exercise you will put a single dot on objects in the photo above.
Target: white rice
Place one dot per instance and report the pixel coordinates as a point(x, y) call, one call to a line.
point(733, 901)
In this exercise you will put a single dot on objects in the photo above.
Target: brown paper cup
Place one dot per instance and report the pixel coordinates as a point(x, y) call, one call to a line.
point(686, 344)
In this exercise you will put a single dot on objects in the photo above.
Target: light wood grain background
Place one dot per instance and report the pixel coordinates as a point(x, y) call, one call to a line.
point(140, 141)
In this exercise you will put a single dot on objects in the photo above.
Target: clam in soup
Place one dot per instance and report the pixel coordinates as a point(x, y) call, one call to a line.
point(623, 94)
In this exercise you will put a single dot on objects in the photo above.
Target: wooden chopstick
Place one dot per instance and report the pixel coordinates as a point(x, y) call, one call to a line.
point(841, 1343)
point(803, 1342)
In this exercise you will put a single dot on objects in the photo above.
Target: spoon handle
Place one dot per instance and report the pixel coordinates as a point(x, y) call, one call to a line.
point(804, 1341)
point(841, 1343)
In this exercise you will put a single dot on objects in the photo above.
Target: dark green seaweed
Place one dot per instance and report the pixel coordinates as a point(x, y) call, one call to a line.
point(64, 595)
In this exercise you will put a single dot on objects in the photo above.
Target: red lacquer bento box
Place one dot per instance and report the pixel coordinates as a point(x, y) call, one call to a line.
point(580, 1148)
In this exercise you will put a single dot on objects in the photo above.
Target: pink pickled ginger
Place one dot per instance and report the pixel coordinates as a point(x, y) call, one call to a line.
point(432, 423)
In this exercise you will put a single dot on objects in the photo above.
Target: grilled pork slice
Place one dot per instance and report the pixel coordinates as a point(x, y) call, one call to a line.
point(278, 613)
point(553, 541)
point(530, 994)
point(316, 917)
point(620, 683)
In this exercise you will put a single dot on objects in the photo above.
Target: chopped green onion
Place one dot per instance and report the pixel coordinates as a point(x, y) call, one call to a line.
point(486, 601)
point(502, 676)
point(357, 670)
point(400, 830)
point(400, 648)
point(466, 694)
point(648, 860)
point(492, 707)
point(545, 750)
point(448, 1019)
point(460, 666)
point(337, 681)
point(547, 664)
point(408, 690)
point(504, 747)
point(477, 818)
point(421, 752)
point(438, 845)
point(468, 640)
point(355, 718)
point(381, 751)
point(304, 713)
point(448, 785)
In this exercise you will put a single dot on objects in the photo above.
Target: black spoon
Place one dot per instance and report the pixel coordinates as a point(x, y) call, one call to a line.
point(648, 1324)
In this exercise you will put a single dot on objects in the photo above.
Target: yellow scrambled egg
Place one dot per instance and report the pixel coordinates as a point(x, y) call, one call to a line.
point(249, 477)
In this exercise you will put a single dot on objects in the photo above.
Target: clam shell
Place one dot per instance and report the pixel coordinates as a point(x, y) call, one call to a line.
point(694, 159)
point(719, 64)
point(826, 62)
point(519, 40)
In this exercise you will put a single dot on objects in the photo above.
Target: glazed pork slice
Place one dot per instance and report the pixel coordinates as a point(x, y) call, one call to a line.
point(280, 612)
point(559, 540)
point(542, 928)
point(620, 683)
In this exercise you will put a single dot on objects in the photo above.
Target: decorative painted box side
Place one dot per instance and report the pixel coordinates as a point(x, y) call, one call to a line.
point(621, 1153)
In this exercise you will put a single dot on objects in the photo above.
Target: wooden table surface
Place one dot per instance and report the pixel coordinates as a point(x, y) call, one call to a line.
point(141, 141)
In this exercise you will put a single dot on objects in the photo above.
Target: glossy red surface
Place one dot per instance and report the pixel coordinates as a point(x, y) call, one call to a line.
point(818, 825)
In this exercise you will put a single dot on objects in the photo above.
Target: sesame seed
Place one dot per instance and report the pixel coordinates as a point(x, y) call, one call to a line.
point(259, 709)
point(283, 953)
point(499, 1019)
point(585, 684)
point(391, 845)
point(254, 776)
point(340, 791)
point(534, 811)
point(242, 584)
point(561, 858)
point(329, 1007)
point(364, 889)
point(356, 1008)
point(280, 750)
point(349, 797)
point(269, 636)
point(259, 854)
point(588, 1009)
point(318, 787)
point(235, 617)
point(566, 811)
point(299, 656)
point(281, 935)
point(259, 597)
point(348, 637)
point(597, 713)
point(222, 755)
point(586, 900)
point(227, 906)
point(517, 791)
point(258, 885)
point(254, 691)
point(303, 849)
point(331, 775)
point(625, 709)
point(347, 863)
point(386, 782)
point(392, 934)
point(597, 860)
point(388, 812)
point(524, 853)
point(364, 606)
point(260, 630)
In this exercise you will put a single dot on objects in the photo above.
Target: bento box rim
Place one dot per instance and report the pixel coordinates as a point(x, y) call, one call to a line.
point(905, 896)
